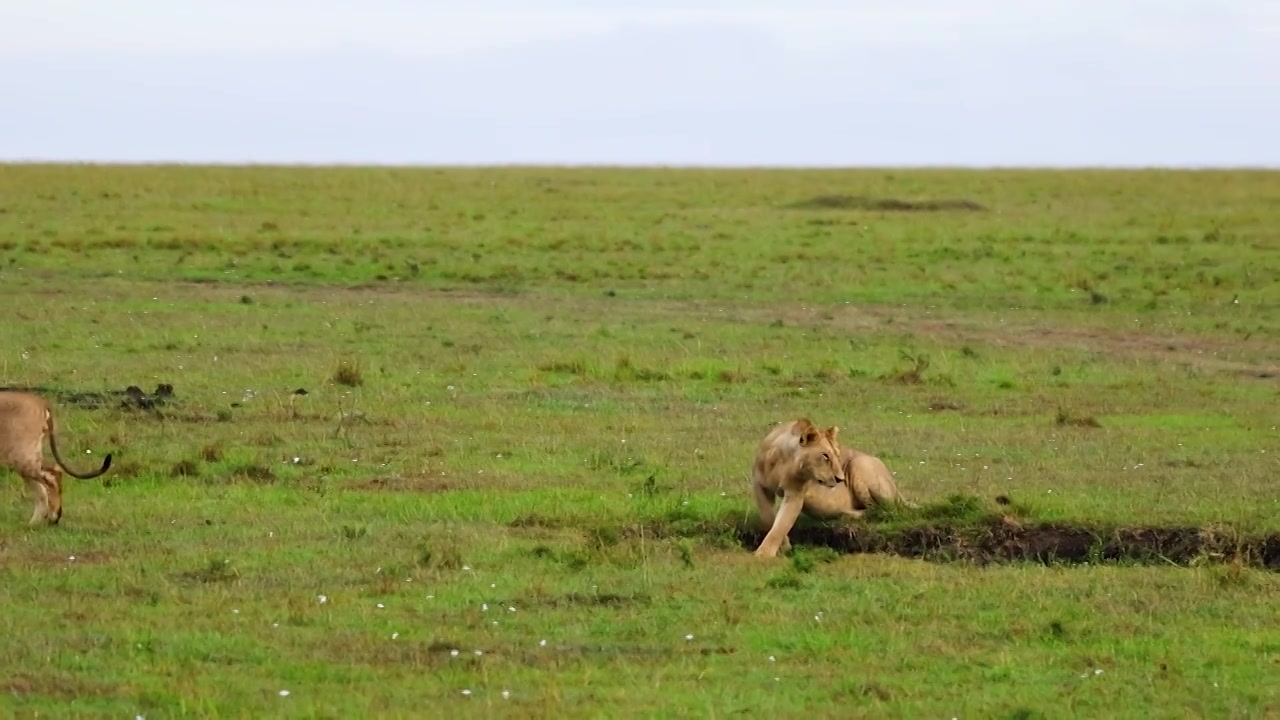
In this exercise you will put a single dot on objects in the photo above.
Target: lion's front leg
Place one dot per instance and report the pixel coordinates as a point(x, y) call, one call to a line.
point(782, 524)
point(40, 494)
point(765, 503)
point(765, 499)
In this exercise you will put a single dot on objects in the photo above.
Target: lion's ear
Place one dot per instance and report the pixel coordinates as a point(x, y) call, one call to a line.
point(806, 430)
point(832, 432)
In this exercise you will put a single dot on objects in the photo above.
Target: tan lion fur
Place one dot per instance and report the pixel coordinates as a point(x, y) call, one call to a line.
point(793, 457)
point(25, 421)
point(867, 481)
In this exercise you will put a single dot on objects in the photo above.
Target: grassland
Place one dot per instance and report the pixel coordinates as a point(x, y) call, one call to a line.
point(515, 485)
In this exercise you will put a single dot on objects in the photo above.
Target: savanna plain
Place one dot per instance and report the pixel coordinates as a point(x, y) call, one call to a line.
point(476, 442)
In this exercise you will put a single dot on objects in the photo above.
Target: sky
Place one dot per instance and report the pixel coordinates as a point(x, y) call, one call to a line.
point(587, 82)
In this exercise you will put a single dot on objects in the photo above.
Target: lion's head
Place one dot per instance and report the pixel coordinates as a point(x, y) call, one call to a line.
point(820, 454)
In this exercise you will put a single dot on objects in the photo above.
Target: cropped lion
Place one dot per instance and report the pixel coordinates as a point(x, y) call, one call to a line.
point(867, 481)
point(25, 421)
point(794, 457)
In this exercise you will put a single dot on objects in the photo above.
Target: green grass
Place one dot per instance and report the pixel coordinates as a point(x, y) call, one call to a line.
point(533, 396)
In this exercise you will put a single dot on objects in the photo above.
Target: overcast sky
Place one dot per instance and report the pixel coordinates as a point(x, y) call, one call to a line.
point(738, 82)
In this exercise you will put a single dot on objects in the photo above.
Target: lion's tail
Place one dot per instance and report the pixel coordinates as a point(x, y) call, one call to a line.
point(53, 445)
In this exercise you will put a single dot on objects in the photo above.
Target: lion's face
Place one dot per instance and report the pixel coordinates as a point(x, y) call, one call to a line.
point(820, 455)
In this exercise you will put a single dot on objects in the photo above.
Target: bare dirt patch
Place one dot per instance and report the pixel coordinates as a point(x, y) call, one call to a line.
point(417, 483)
point(61, 686)
point(1200, 352)
point(441, 652)
point(861, 202)
point(130, 398)
point(1220, 354)
point(15, 555)
point(963, 528)
point(90, 557)
point(1005, 539)
point(594, 599)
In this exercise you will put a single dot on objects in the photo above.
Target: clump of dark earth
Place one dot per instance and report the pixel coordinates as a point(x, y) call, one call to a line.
point(1005, 539)
point(962, 528)
point(859, 202)
point(131, 398)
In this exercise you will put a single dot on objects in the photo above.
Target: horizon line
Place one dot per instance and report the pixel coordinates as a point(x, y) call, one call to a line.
point(321, 165)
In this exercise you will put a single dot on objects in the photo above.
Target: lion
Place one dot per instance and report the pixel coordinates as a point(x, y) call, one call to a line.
point(792, 458)
point(25, 420)
point(867, 481)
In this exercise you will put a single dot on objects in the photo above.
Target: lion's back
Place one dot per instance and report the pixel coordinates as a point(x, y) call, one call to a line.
point(22, 419)
point(869, 476)
point(772, 453)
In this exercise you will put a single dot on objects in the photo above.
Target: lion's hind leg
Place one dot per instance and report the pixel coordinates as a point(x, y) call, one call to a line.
point(44, 486)
point(52, 477)
point(40, 494)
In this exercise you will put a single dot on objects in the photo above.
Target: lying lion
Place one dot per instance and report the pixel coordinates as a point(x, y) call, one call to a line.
point(794, 457)
point(866, 481)
point(25, 421)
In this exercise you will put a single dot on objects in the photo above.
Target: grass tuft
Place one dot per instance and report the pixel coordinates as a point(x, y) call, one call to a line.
point(1067, 419)
point(348, 373)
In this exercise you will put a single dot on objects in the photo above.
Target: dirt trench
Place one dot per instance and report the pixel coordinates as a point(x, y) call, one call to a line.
point(1007, 540)
point(131, 398)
